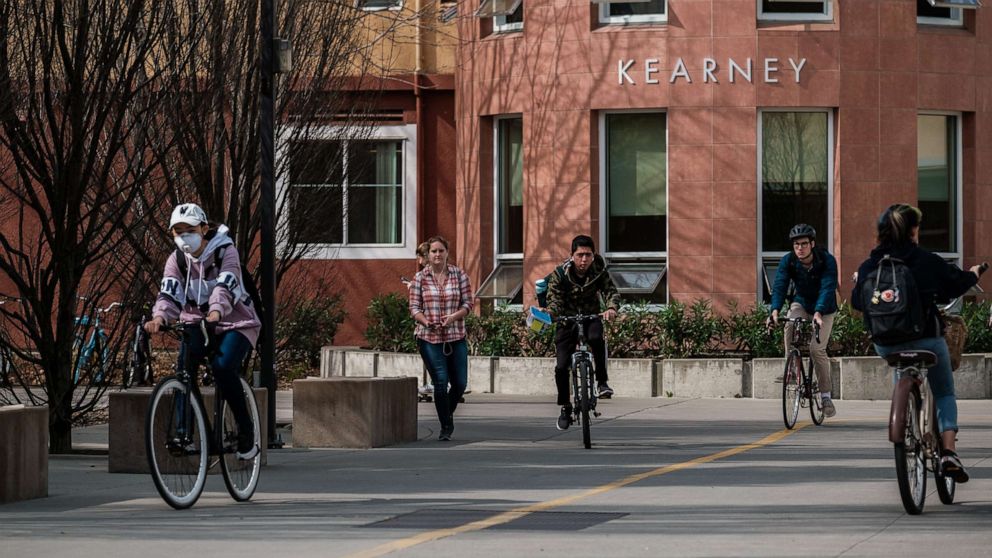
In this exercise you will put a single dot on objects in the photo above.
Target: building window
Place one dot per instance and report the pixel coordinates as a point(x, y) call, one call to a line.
point(505, 282)
point(377, 5)
point(511, 21)
point(635, 203)
point(623, 13)
point(938, 13)
point(778, 10)
point(795, 178)
point(938, 154)
point(349, 197)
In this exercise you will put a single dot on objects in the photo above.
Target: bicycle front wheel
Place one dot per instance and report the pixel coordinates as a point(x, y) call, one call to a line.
point(792, 380)
point(240, 475)
point(911, 468)
point(585, 398)
point(176, 443)
point(815, 405)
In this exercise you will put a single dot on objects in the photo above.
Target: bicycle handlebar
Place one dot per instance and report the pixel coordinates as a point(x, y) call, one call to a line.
point(577, 318)
point(800, 322)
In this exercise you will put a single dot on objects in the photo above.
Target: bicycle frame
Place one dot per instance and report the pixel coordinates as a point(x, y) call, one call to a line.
point(215, 441)
point(581, 354)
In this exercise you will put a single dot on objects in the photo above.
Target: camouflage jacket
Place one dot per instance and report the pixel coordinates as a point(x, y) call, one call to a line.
point(569, 294)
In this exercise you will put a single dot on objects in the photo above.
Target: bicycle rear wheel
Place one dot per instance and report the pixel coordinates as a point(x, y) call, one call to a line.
point(813, 393)
point(240, 476)
point(792, 380)
point(584, 371)
point(176, 443)
point(911, 468)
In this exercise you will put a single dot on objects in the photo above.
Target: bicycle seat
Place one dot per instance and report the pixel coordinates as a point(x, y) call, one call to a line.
point(925, 359)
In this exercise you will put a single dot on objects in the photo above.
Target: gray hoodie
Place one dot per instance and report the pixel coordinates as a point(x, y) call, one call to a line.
point(192, 297)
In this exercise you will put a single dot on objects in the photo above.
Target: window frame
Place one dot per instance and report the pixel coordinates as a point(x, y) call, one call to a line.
point(638, 19)
point(958, 189)
point(509, 258)
point(638, 257)
point(827, 16)
point(956, 19)
point(501, 26)
point(773, 256)
point(397, 6)
point(405, 133)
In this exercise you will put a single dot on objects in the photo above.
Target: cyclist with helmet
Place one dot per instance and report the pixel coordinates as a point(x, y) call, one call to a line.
point(212, 290)
point(813, 273)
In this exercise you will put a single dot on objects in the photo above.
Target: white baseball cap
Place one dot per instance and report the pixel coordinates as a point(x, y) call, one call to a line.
point(188, 213)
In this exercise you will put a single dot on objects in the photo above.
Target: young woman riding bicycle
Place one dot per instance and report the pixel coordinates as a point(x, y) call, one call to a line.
point(937, 281)
point(210, 290)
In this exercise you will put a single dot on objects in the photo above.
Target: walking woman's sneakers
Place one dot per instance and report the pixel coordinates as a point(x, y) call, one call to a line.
point(446, 432)
point(951, 466)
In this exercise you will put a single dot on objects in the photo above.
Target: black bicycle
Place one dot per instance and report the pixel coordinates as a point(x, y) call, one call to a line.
point(140, 365)
point(800, 387)
point(179, 442)
point(583, 394)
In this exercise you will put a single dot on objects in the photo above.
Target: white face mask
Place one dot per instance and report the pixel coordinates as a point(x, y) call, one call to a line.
point(188, 242)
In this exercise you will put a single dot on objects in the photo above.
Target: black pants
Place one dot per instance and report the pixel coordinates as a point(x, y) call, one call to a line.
point(565, 340)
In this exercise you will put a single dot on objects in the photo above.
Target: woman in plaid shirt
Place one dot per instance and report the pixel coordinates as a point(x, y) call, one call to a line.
point(440, 298)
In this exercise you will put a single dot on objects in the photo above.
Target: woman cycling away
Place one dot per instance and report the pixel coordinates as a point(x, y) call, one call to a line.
point(210, 290)
point(937, 282)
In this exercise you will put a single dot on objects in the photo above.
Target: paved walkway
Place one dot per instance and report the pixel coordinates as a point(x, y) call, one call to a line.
point(665, 478)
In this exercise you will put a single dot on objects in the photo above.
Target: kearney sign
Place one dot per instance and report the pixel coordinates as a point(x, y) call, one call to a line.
point(628, 69)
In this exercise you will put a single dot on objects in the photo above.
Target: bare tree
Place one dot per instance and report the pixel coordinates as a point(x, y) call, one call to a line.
point(76, 104)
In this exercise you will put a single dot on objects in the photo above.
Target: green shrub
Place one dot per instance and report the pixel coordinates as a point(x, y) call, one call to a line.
point(849, 336)
point(304, 325)
point(976, 318)
point(635, 333)
point(689, 331)
point(390, 325)
point(746, 332)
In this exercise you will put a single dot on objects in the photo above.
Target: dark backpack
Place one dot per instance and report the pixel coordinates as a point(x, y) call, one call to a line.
point(892, 304)
point(247, 281)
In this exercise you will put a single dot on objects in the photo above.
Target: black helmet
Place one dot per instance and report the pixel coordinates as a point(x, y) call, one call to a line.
point(802, 230)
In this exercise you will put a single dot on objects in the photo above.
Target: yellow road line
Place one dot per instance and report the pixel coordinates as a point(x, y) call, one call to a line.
point(517, 513)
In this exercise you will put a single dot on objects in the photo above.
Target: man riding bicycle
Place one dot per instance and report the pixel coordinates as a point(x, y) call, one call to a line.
point(813, 272)
point(581, 285)
point(210, 290)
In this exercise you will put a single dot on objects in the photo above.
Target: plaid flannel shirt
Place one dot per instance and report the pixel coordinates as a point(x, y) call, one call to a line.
point(437, 301)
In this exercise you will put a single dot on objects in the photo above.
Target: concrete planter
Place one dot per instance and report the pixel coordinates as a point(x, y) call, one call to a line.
point(480, 373)
point(23, 453)
point(633, 377)
point(399, 365)
point(865, 378)
point(718, 377)
point(524, 376)
point(354, 412)
point(360, 364)
point(973, 379)
point(765, 378)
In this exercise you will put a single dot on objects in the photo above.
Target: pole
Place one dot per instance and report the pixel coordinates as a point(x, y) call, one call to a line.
point(267, 203)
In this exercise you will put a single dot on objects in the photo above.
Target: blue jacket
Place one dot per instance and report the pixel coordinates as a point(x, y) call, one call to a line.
point(815, 287)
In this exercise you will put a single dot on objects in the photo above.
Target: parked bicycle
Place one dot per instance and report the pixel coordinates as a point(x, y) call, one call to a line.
point(140, 365)
point(179, 440)
point(913, 431)
point(583, 394)
point(92, 355)
point(800, 387)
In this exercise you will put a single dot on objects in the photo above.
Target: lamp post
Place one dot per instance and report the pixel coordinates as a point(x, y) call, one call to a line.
point(267, 202)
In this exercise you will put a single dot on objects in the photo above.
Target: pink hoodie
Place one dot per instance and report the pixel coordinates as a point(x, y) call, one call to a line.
point(184, 298)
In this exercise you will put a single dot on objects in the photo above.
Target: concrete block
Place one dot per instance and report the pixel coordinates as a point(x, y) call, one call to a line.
point(865, 378)
point(631, 377)
point(128, 413)
point(525, 376)
point(719, 377)
point(332, 361)
point(766, 378)
point(971, 379)
point(480, 373)
point(354, 412)
point(360, 364)
point(400, 365)
point(23, 453)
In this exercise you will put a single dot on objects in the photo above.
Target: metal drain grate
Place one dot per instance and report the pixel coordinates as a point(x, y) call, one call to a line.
point(537, 521)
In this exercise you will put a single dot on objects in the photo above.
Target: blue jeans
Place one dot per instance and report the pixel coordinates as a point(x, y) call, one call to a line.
point(446, 363)
point(940, 377)
point(229, 351)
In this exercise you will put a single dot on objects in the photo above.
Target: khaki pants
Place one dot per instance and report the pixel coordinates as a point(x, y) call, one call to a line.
point(821, 362)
